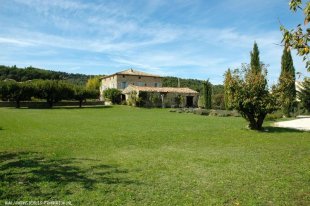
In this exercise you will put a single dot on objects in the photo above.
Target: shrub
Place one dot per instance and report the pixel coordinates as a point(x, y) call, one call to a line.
point(201, 111)
point(114, 95)
point(133, 99)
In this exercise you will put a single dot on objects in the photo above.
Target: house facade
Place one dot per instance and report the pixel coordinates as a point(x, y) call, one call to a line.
point(123, 79)
point(163, 96)
point(143, 84)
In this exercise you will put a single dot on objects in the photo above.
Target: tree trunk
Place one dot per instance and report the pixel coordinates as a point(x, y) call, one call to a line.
point(17, 103)
point(50, 103)
point(252, 124)
point(80, 103)
point(260, 121)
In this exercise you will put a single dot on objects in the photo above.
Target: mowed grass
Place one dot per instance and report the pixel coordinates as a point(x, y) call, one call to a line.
point(131, 156)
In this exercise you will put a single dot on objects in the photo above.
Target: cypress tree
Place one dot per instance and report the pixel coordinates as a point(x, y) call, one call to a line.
point(204, 93)
point(287, 83)
point(207, 92)
point(227, 80)
point(255, 62)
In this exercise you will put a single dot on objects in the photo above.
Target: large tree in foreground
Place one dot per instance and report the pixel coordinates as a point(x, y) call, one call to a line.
point(298, 38)
point(247, 92)
point(286, 91)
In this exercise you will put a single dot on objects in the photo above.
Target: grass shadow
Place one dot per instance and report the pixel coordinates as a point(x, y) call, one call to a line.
point(29, 174)
point(67, 107)
point(272, 129)
point(84, 107)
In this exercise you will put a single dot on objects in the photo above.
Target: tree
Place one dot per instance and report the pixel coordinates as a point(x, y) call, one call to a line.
point(81, 94)
point(227, 95)
point(285, 90)
point(207, 92)
point(255, 62)
point(54, 91)
point(304, 94)
point(248, 93)
point(299, 38)
point(218, 101)
point(112, 94)
point(93, 83)
point(16, 91)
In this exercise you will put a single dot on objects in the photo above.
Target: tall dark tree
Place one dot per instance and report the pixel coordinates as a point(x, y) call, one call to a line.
point(255, 61)
point(207, 93)
point(286, 88)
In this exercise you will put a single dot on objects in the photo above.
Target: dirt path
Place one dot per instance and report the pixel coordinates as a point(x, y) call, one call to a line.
point(300, 124)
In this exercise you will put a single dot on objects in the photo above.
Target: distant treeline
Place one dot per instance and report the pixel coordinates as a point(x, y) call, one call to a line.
point(194, 84)
point(30, 73)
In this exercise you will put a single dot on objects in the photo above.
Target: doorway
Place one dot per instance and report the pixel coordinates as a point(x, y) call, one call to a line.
point(123, 97)
point(189, 101)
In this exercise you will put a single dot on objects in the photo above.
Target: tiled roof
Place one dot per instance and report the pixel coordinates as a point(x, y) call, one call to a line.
point(135, 72)
point(185, 90)
point(132, 72)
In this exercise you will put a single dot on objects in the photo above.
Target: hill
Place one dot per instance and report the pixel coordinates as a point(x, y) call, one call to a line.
point(29, 73)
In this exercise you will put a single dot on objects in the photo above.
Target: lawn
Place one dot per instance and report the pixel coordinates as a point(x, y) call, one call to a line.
point(131, 156)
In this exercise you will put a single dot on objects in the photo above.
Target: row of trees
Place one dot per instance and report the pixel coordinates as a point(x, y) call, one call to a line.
point(51, 90)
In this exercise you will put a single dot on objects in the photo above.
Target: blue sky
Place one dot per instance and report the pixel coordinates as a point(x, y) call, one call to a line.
point(185, 38)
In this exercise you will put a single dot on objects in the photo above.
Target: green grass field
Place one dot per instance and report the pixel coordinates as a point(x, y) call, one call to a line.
point(132, 156)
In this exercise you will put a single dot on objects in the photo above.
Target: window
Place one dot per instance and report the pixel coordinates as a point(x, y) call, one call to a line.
point(139, 77)
point(156, 84)
point(141, 84)
point(124, 85)
point(123, 76)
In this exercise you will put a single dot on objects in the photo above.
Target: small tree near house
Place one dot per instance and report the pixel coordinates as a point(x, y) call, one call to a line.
point(114, 95)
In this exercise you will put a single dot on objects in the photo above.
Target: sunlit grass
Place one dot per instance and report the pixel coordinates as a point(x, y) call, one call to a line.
point(131, 156)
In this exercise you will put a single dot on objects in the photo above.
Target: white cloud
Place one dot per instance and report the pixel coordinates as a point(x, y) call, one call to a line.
point(17, 42)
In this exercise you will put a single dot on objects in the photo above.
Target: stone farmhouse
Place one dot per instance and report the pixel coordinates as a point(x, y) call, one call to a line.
point(148, 87)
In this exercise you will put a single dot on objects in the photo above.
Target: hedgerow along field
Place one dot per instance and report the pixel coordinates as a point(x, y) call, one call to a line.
point(132, 156)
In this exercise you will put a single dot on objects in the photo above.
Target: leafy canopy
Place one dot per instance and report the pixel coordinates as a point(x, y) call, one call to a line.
point(298, 38)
